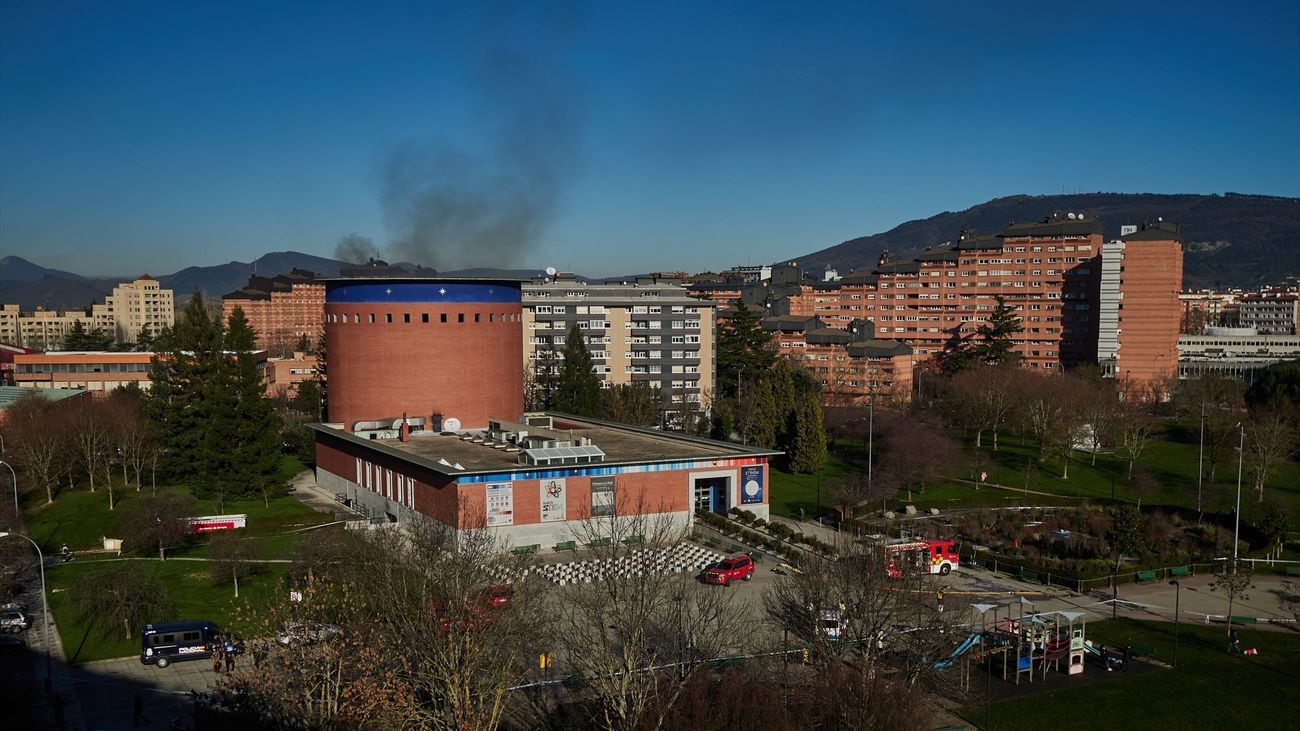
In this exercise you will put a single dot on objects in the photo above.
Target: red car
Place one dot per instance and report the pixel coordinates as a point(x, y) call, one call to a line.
point(478, 616)
point(729, 569)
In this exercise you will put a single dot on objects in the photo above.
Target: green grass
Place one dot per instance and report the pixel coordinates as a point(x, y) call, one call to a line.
point(1209, 689)
point(1170, 458)
point(790, 492)
point(190, 588)
point(80, 518)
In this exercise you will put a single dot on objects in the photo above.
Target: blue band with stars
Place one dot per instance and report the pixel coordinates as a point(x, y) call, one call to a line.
point(424, 291)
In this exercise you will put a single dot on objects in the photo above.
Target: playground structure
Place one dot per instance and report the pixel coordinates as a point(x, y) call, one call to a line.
point(1029, 645)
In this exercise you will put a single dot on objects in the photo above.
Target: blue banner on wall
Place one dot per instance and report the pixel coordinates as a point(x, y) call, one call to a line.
point(751, 485)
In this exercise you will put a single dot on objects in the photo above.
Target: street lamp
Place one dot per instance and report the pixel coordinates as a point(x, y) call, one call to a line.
point(1200, 457)
point(45, 604)
point(1178, 591)
point(14, 475)
point(1236, 530)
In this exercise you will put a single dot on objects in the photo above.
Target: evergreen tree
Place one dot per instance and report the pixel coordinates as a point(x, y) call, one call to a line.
point(254, 425)
point(996, 336)
point(765, 420)
point(743, 354)
point(78, 338)
point(631, 403)
point(784, 398)
point(577, 390)
point(184, 370)
point(807, 447)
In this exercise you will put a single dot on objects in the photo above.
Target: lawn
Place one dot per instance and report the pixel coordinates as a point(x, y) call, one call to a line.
point(191, 589)
point(791, 491)
point(81, 518)
point(1209, 689)
point(1170, 458)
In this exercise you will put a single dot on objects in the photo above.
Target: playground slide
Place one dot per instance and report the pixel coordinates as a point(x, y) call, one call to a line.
point(968, 643)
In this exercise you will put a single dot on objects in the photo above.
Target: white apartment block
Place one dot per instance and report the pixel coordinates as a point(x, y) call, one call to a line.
point(649, 331)
point(142, 305)
point(133, 307)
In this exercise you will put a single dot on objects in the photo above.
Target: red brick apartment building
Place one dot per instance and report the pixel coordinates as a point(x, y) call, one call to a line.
point(852, 366)
point(1048, 271)
point(1139, 308)
point(281, 309)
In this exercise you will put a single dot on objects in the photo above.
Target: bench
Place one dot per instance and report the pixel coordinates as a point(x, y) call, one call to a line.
point(631, 540)
point(1027, 575)
point(1146, 576)
point(1293, 570)
point(523, 550)
point(565, 546)
point(599, 542)
point(1181, 571)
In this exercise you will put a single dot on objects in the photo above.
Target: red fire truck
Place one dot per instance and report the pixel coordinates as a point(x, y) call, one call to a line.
point(926, 556)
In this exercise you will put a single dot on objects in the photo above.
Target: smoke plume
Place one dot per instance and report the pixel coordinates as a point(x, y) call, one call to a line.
point(355, 249)
point(448, 207)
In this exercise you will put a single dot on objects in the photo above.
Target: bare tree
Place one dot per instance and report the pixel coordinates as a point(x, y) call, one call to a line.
point(918, 451)
point(637, 636)
point(984, 397)
point(121, 597)
point(39, 440)
point(1270, 439)
point(1133, 429)
point(233, 556)
point(1098, 409)
point(90, 435)
point(158, 521)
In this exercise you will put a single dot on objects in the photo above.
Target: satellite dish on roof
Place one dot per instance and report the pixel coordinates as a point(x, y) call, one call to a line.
point(451, 424)
point(550, 271)
point(1070, 216)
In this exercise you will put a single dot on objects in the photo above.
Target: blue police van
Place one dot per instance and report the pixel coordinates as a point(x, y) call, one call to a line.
point(163, 644)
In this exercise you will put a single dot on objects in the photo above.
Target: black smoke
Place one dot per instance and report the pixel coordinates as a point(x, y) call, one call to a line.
point(449, 207)
point(356, 249)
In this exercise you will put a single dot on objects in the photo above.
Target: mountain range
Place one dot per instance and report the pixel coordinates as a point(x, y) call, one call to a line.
point(1230, 240)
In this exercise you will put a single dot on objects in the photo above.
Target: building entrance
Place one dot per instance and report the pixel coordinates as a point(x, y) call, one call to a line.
point(711, 494)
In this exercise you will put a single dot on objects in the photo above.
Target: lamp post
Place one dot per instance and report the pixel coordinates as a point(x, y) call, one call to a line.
point(1200, 457)
point(1236, 529)
point(14, 475)
point(1178, 591)
point(45, 604)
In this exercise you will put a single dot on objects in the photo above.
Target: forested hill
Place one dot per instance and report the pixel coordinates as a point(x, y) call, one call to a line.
point(1230, 240)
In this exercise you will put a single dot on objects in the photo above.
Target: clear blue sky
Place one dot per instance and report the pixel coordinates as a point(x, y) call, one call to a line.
point(608, 138)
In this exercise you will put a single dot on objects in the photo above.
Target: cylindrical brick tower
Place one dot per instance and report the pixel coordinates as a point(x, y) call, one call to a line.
point(436, 349)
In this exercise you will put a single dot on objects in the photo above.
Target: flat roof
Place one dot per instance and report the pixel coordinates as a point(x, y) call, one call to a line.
point(622, 444)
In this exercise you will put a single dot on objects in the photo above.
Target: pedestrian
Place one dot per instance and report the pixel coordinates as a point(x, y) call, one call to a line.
point(259, 654)
point(229, 655)
point(138, 715)
point(1234, 642)
point(1128, 655)
point(216, 657)
point(938, 596)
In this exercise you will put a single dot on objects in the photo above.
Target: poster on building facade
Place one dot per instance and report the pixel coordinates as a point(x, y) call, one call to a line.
point(751, 485)
point(602, 496)
point(500, 504)
point(553, 496)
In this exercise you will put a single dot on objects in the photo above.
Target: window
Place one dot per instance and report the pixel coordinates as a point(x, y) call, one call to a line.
point(460, 317)
point(406, 317)
point(424, 317)
point(372, 318)
point(442, 317)
point(476, 317)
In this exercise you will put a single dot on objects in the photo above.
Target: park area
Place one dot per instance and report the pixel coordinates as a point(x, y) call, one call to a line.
point(1210, 688)
point(191, 576)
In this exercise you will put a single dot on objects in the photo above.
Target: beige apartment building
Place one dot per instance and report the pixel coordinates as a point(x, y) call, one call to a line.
point(645, 331)
point(133, 307)
point(141, 306)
